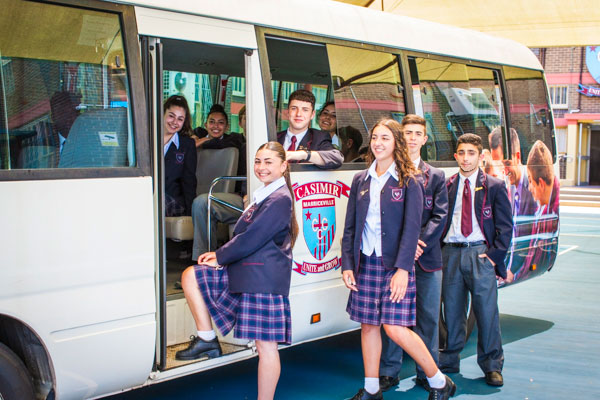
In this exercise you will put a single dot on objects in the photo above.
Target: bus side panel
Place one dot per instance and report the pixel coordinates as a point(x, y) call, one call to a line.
point(78, 267)
point(317, 288)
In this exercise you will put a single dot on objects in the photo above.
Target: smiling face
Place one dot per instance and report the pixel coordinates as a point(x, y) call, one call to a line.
point(327, 119)
point(383, 144)
point(216, 125)
point(468, 158)
point(300, 113)
point(415, 137)
point(268, 166)
point(173, 120)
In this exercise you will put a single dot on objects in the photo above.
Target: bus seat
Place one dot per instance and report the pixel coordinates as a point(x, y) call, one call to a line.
point(35, 157)
point(211, 164)
point(98, 138)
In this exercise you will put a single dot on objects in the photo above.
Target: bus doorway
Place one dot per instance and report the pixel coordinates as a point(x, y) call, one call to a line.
point(209, 77)
point(595, 157)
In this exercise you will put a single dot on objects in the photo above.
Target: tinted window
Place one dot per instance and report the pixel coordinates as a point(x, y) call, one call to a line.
point(367, 87)
point(528, 107)
point(65, 100)
point(455, 99)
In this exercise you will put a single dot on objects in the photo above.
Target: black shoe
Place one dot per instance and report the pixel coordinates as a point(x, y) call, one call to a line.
point(444, 393)
point(388, 382)
point(423, 382)
point(364, 395)
point(198, 348)
point(494, 378)
point(450, 370)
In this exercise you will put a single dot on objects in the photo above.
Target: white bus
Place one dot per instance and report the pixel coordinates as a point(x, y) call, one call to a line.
point(88, 297)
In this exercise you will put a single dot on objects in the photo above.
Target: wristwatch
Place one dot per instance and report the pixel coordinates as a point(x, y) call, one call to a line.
point(307, 155)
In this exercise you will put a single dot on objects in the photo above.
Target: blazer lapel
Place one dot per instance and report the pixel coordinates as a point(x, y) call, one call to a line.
point(480, 190)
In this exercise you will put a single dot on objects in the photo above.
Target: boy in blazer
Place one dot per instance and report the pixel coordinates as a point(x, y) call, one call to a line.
point(428, 259)
point(475, 241)
point(305, 144)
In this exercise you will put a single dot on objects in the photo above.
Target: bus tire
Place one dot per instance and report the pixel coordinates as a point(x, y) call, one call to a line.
point(443, 331)
point(15, 380)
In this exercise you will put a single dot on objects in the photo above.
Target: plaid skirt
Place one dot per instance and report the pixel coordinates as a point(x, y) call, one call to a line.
point(372, 305)
point(255, 316)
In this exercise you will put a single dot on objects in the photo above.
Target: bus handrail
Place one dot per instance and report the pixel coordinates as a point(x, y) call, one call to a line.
point(212, 198)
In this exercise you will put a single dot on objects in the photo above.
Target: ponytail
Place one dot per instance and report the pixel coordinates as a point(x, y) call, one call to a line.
point(278, 148)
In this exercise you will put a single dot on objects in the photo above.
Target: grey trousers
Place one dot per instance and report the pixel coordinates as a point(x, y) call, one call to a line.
point(218, 213)
point(429, 292)
point(464, 273)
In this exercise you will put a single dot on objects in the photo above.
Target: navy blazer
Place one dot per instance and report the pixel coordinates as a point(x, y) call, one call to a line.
point(259, 256)
point(316, 140)
point(401, 210)
point(493, 212)
point(180, 172)
point(435, 212)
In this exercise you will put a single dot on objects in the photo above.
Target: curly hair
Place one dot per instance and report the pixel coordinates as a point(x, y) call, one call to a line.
point(404, 166)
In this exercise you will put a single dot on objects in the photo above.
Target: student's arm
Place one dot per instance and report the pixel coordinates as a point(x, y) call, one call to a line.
point(411, 226)
point(348, 262)
point(322, 152)
point(502, 214)
point(273, 217)
point(431, 233)
point(188, 179)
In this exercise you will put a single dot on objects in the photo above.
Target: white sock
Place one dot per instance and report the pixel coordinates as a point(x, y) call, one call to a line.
point(372, 385)
point(207, 336)
point(438, 381)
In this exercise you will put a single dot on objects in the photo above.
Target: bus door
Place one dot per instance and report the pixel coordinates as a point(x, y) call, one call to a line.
point(77, 276)
point(208, 62)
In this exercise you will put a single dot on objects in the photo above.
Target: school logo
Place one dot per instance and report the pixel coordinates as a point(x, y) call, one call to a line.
point(319, 223)
point(397, 194)
point(428, 202)
point(179, 157)
point(592, 60)
point(487, 212)
point(248, 214)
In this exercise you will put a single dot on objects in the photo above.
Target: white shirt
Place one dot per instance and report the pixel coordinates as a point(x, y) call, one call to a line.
point(417, 162)
point(288, 139)
point(371, 234)
point(454, 234)
point(61, 142)
point(265, 191)
point(175, 140)
point(335, 140)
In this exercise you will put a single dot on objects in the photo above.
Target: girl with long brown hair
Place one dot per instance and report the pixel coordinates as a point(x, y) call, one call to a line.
point(383, 224)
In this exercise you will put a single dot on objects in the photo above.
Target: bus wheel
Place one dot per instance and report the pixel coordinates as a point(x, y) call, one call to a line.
point(443, 331)
point(15, 381)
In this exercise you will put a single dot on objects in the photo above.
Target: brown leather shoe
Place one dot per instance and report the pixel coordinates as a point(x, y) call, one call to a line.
point(494, 378)
point(388, 382)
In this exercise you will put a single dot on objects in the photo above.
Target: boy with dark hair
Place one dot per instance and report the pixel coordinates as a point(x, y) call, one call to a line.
point(476, 238)
point(305, 144)
point(428, 259)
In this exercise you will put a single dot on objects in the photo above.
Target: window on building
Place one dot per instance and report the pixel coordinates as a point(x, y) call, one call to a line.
point(559, 96)
point(64, 98)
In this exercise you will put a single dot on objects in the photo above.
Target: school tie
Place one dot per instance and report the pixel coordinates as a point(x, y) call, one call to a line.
point(466, 223)
point(293, 144)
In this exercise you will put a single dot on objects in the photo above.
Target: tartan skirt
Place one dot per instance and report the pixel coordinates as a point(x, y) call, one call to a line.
point(254, 316)
point(371, 304)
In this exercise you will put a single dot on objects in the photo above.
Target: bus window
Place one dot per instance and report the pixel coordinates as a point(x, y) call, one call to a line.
point(528, 108)
point(455, 99)
point(64, 99)
point(297, 65)
point(367, 87)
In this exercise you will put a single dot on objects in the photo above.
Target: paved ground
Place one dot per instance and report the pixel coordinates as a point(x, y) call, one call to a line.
point(550, 330)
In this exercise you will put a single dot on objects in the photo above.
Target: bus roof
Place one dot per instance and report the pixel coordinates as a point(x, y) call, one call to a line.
point(343, 21)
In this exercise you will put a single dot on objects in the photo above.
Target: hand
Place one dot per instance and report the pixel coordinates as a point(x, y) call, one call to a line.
point(509, 277)
point(208, 258)
point(420, 246)
point(199, 142)
point(294, 155)
point(349, 281)
point(398, 285)
point(245, 200)
point(489, 259)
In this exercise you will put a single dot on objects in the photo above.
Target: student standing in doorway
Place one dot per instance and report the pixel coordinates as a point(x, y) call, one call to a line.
point(476, 238)
point(428, 259)
point(383, 223)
